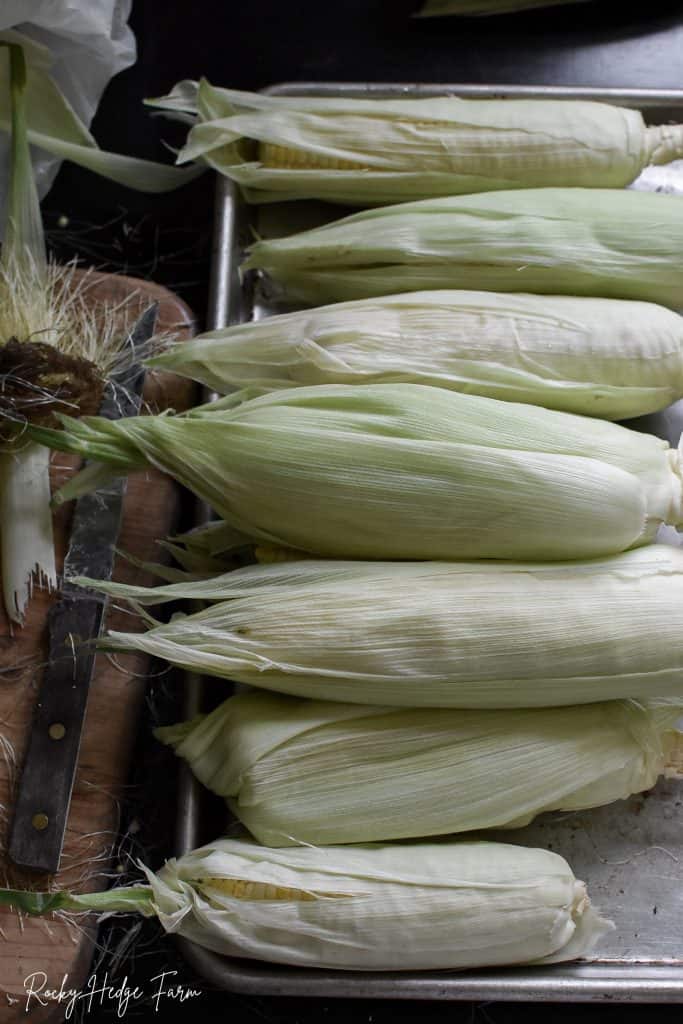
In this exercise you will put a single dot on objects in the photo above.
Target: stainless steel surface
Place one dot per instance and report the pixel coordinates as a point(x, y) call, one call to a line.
point(631, 853)
point(223, 297)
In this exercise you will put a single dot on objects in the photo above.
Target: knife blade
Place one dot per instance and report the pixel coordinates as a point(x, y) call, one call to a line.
point(43, 796)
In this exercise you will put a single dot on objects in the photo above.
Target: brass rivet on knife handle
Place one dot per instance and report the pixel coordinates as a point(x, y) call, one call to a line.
point(44, 792)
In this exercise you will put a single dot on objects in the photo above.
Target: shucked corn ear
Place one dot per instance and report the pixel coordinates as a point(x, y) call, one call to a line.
point(315, 772)
point(602, 357)
point(372, 908)
point(434, 634)
point(373, 151)
point(571, 241)
point(401, 471)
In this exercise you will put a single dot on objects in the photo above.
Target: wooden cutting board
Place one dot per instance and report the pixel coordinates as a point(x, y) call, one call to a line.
point(51, 949)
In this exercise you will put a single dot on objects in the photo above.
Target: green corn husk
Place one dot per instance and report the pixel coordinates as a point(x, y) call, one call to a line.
point(614, 243)
point(437, 8)
point(433, 634)
point(392, 150)
point(456, 905)
point(400, 471)
point(601, 357)
point(315, 773)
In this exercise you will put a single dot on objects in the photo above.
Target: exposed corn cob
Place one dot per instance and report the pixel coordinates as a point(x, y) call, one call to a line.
point(402, 471)
point(615, 243)
point(373, 151)
point(602, 357)
point(434, 634)
point(313, 772)
point(459, 904)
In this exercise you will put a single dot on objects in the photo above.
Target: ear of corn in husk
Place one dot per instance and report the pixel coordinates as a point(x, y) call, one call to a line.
point(433, 634)
point(601, 357)
point(315, 772)
point(462, 904)
point(373, 151)
point(402, 471)
point(614, 243)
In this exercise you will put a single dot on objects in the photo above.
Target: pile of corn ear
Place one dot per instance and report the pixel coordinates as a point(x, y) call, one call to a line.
point(459, 596)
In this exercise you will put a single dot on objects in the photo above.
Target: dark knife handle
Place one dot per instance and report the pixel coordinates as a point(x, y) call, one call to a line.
point(47, 778)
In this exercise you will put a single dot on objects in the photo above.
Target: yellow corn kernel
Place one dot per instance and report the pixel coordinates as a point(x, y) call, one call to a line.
point(240, 889)
point(288, 156)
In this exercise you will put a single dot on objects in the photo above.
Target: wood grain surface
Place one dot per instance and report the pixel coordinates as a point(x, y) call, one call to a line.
point(54, 950)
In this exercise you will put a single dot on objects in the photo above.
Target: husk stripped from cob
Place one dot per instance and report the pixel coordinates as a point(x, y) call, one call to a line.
point(392, 150)
point(600, 357)
point(400, 471)
point(614, 243)
point(315, 772)
point(461, 905)
point(432, 634)
point(56, 347)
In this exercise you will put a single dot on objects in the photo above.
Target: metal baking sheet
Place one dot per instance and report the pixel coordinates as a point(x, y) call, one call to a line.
point(630, 853)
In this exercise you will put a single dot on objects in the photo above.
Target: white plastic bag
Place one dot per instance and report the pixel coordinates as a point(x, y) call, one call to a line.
point(89, 42)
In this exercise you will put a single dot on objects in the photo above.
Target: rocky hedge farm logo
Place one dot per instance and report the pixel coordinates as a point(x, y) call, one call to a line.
point(161, 990)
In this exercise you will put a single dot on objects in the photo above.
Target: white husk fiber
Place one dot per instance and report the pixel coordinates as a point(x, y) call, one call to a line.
point(435, 634)
point(599, 357)
point(316, 772)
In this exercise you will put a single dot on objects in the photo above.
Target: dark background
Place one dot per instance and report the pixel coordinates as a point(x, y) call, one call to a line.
point(249, 44)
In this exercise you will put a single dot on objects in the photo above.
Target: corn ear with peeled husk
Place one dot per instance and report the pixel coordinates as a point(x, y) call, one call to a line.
point(602, 357)
point(390, 150)
point(460, 905)
point(432, 634)
point(315, 772)
point(400, 471)
point(615, 243)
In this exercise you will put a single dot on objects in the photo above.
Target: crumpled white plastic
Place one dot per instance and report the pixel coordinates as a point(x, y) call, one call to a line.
point(89, 42)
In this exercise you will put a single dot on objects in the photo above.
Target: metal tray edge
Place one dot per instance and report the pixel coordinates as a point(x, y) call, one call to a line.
point(620, 96)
